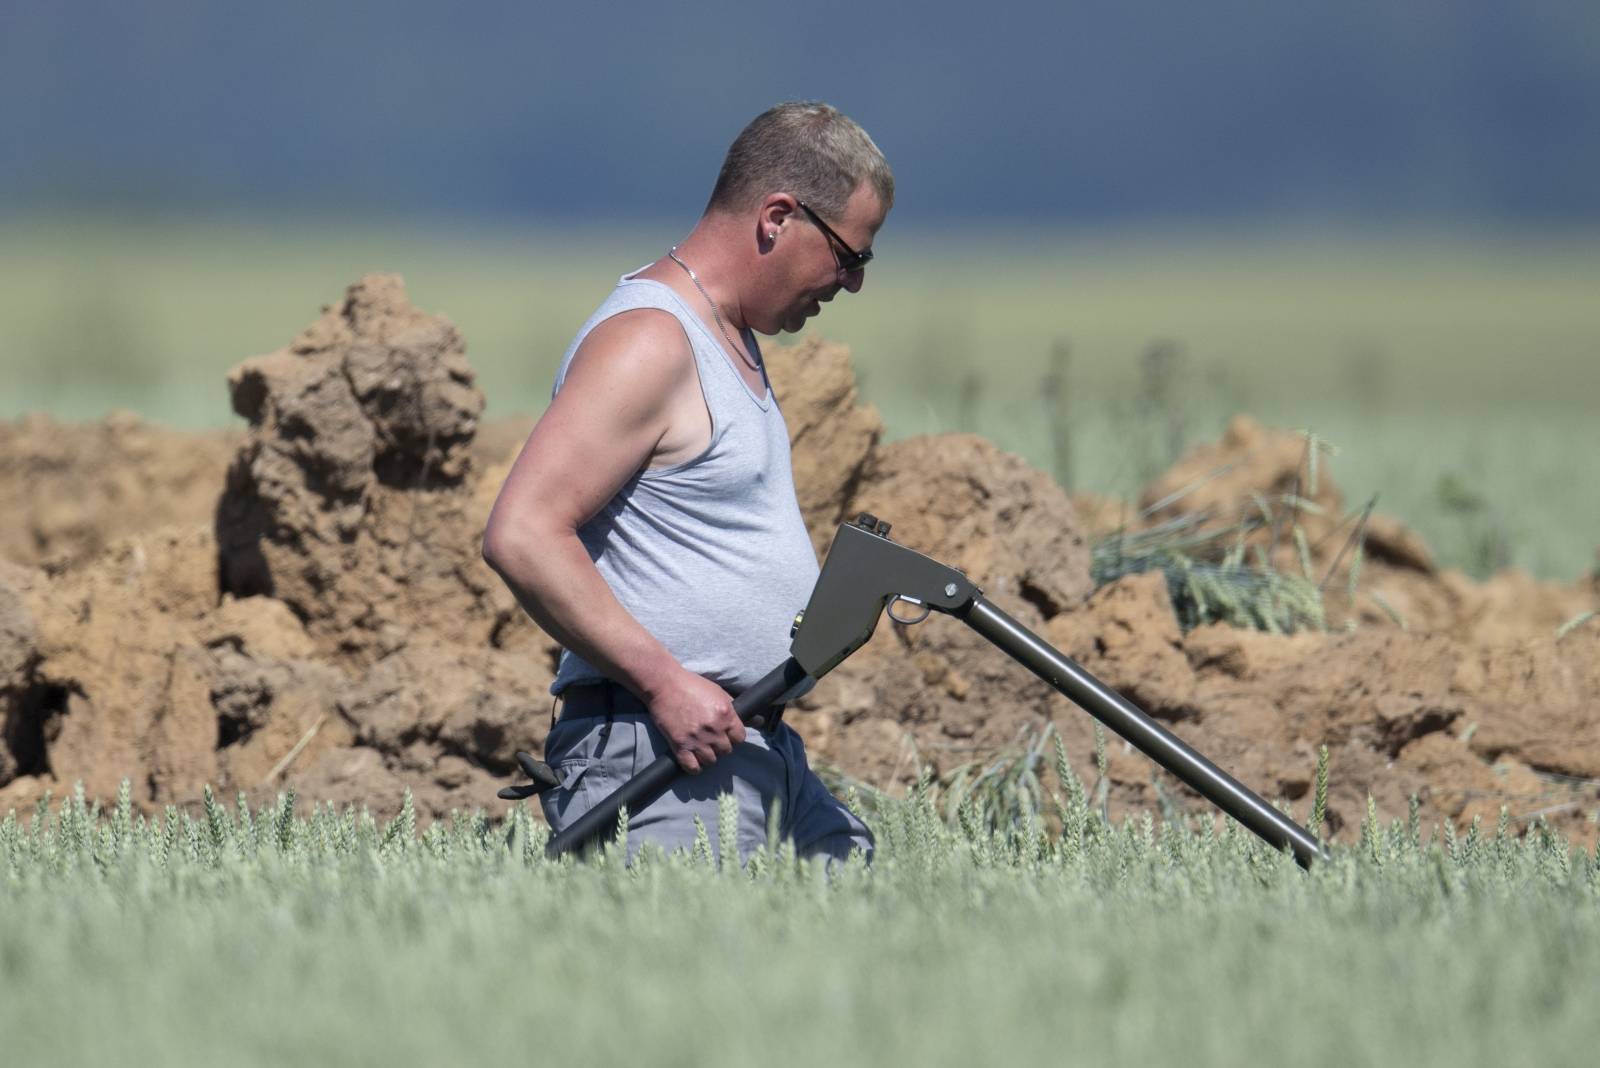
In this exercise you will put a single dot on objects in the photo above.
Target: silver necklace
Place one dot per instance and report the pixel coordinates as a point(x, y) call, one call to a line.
point(672, 254)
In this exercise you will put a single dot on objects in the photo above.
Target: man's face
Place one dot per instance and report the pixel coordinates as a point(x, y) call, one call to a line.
point(814, 277)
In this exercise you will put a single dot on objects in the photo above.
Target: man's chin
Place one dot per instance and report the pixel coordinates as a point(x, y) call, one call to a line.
point(798, 321)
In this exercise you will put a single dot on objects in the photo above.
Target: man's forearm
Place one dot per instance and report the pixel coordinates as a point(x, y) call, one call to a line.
point(552, 577)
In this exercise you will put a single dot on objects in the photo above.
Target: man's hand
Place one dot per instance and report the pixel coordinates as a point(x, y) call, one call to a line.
point(698, 719)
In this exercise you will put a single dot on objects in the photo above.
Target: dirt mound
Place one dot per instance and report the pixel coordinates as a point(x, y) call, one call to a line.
point(274, 702)
point(831, 434)
point(964, 502)
point(1254, 472)
point(68, 491)
point(134, 669)
point(451, 716)
point(935, 692)
point(1224, 478)
point(1462, 724)
point(1398, 584)
point(116, 685)
point(285, 649)
point(111, 676)
point(1508, 607)
point(349, 499)
point(1404, 712)
point(18, 639)
point(315, 614)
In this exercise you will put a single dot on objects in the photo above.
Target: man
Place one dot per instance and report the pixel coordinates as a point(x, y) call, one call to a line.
point(650, 523)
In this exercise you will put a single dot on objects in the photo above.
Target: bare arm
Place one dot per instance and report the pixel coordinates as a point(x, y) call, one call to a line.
point(612, 416)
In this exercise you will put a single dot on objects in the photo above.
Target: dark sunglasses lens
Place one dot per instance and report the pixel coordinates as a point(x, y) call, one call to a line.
point(854, 261)
point(849, 259)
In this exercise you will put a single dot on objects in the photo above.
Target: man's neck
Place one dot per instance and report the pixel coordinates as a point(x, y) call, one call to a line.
point(709, 251)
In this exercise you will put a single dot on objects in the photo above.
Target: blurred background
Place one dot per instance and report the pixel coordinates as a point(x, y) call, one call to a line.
point(1116, 224)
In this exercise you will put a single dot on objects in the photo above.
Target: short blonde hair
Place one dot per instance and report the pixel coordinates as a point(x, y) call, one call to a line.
point(806, 148)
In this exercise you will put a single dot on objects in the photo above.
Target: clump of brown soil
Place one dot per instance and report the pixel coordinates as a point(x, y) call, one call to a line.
point(21, 748)
point(1280, 479)
point(68, 491)
point(1372, 696)
point(1400, 709)
point(968, 504)
point(349, 500)
point(1399, 583)
point(831, 434)
point(927, 694)
point(116, 686)
point(1507, 607)
point(1224, 477)
point(345, 540)
point(319, 617)
point(454, 713)
point(1386, 698)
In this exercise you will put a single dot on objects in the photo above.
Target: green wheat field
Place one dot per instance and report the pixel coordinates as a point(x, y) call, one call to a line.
point(244, 938)
point(1460, 375)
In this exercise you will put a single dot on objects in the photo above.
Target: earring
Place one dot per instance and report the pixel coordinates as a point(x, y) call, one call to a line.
point(772, 235)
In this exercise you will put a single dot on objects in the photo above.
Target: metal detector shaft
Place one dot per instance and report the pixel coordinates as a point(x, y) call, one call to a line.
point(649, 784)
point(1154, 740)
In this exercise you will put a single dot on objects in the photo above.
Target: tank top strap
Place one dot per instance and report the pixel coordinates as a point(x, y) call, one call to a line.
point(719, 379)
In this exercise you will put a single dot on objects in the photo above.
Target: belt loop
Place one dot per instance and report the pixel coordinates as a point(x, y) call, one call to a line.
point(611, 716)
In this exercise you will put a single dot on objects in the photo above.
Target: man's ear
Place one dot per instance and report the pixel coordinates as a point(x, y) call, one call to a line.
point(776, 211)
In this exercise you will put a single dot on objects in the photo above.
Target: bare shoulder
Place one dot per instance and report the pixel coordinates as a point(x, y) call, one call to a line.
point(635, 378)
point(638, 352)
point(616, 406)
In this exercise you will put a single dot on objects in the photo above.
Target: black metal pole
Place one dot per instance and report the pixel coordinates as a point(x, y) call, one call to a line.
point(649, 784)
point(1154, 740)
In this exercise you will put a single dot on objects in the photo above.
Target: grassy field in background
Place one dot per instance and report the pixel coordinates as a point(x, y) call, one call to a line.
point(1458, 375)
point(239, 938)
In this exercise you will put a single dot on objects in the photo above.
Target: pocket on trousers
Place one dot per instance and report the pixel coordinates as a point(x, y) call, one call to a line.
point(590, 772)
point(569, 772)
point(565, 801)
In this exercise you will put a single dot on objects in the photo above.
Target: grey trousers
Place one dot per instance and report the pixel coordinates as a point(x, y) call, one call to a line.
point(605, 736)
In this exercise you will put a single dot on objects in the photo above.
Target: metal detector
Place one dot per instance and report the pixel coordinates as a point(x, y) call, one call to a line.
point(864, 575)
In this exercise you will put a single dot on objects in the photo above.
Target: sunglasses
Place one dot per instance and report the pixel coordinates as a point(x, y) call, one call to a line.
point(848, 258)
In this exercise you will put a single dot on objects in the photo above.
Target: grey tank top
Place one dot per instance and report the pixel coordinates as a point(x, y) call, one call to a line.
point(711, 555)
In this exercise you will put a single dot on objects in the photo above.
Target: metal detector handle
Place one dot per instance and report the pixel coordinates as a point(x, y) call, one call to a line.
point(646, 786)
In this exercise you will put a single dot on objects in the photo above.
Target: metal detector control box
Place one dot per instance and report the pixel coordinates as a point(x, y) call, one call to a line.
point(863, 573)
